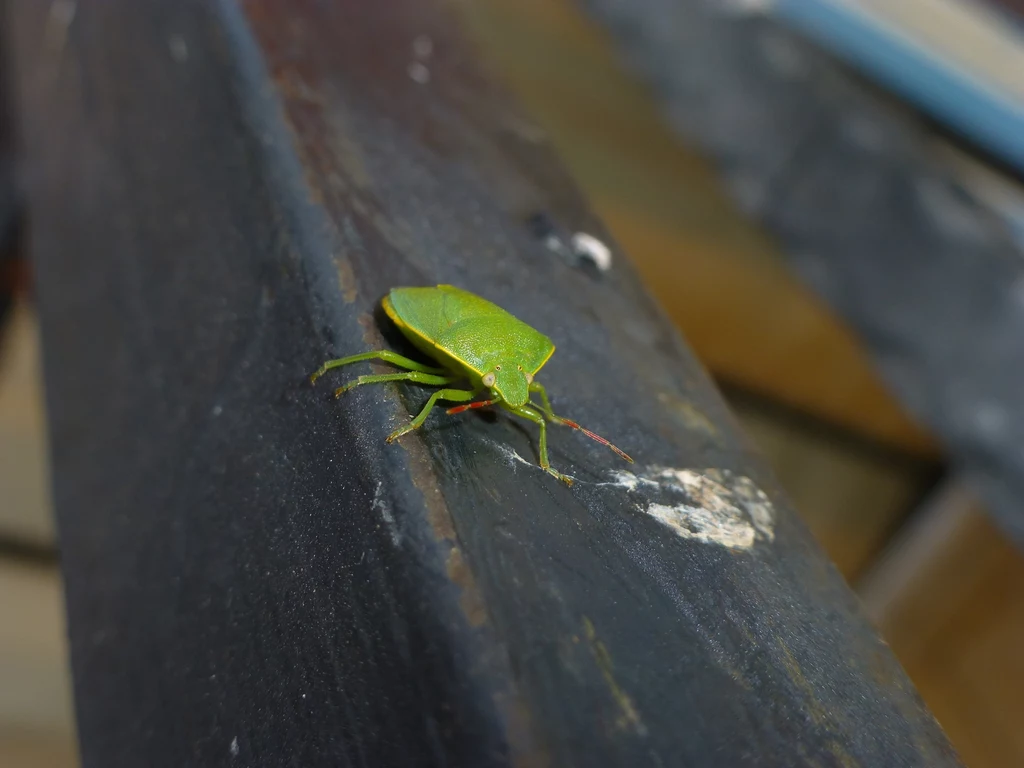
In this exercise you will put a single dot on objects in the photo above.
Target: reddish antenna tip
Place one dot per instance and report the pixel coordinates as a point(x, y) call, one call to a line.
point(596, 437)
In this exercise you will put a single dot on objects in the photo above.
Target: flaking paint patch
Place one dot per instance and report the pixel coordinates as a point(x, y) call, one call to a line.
point(623, 479)
point(713, 506)
point(704, 525)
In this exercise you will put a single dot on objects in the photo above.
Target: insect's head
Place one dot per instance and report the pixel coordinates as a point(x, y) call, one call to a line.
point(510, 383)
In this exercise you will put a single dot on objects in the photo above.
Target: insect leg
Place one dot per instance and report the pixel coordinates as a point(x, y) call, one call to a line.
point(454, 395)
point(470, 406)
point(529, 413)
point(546, 409)
point(537, 387)
point(384, 354)
point(414, 376)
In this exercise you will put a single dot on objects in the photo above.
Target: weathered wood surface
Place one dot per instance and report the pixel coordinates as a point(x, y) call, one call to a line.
point(220, 194)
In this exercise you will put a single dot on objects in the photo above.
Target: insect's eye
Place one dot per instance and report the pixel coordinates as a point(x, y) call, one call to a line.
point(529, 377)
point(497, 367)
point(488, 380)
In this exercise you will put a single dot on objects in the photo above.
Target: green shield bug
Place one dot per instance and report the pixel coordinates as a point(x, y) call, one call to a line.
point(471, 340)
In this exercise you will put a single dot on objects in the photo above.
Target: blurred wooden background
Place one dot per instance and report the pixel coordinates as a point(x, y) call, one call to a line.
point(36, 724)
point(950, 599)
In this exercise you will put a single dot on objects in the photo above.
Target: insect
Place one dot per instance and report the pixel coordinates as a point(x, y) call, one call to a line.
point(471, 340)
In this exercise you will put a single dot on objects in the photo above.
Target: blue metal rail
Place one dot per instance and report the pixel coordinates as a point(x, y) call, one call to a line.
point(965, 98)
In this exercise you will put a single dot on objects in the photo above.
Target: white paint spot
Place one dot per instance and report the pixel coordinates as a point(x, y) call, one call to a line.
point(234, 747)
point(217, 410)
point(386, 515)
point(627, 480)
point(704, 525)
point(756, 504)
point(712, 506)
point(422, 47)
point(419, 72)
point(178, 48)
point(589, 247)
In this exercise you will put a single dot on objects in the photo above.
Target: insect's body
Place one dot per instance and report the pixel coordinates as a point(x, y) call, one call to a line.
point(470, 338)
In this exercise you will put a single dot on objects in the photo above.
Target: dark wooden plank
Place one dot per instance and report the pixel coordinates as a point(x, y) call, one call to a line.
point(222, 193)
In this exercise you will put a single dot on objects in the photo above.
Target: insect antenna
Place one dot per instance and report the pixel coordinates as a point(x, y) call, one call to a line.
point(469, 406)
point(588, 433)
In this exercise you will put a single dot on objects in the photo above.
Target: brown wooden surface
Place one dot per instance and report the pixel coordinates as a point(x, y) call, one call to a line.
point(958, 628)
point(24, 499)
point(721, 281)
point(36, 723)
